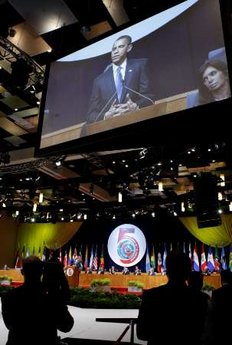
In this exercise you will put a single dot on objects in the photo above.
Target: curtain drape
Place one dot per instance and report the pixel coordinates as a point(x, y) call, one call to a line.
point(33, 237)
point(219, 236)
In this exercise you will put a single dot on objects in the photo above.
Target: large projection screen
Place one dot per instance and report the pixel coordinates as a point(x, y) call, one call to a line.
point(175, 43)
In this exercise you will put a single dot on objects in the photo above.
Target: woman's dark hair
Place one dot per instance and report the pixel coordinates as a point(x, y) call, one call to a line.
point(204, 93)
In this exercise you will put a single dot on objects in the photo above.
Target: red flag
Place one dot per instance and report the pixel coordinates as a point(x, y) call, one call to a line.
point(95, 260)
point(18, 261)
point(102, 260)
point(65, 262)
point(203, 259)
point(159, 263)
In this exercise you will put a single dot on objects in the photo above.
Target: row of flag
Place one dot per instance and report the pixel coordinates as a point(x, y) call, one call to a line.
point(214, 261)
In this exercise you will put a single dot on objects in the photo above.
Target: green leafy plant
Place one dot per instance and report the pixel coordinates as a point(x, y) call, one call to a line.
point(5, 278)
point(87, 298)
point(136, 283)
point(100, 282)
point(208, 287)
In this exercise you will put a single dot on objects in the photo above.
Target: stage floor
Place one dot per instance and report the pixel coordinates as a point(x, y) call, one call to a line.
point(86, 327)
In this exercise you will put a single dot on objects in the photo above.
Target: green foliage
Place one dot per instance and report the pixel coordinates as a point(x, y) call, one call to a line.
point(4, 289)
point(208, 287)
point(100, 282)
point(136, 283)
point(86, 298)
point(6, 278)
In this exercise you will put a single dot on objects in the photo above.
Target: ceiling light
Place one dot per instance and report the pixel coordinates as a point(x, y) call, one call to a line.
point(119, 196)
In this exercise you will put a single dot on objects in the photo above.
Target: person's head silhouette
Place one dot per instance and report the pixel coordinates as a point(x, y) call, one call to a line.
point(32, 269)
point(178, 267)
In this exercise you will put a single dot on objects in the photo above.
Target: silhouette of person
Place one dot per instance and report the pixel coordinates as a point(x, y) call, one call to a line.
point(175, 310)
point(54, 280)
point(218, 324)
point(214, 81)
point(196, 280)
point(123, 86)
point(30, 313)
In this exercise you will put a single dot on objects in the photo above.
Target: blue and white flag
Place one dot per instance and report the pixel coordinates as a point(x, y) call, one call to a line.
point(148, 262)
point(210, 260)
point(164, 258)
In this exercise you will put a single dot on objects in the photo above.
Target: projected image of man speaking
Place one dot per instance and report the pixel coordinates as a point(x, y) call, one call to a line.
point(122, 87)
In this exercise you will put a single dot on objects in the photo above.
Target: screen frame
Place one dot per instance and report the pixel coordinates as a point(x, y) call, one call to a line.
point(140, 133)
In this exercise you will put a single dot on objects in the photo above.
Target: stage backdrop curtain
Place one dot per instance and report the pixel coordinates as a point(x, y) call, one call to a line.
point(33, 237)
point(219, 236)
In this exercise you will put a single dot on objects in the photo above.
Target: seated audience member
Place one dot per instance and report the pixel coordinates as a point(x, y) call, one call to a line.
point(101, 270)
point(125, 271)
point(32, 314)
point(151, 272)
point(172, 313)
point(214, 81)
point(112, 270)
point(137, 271)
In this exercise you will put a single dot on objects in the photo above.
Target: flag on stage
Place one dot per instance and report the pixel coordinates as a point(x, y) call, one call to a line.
point(39, 253)
point(65, 262)
point(184, 248)
point(95, 260)
point(159, 263)
point(210, 260)
point(147, 263)
point(153, 261)
point(164, 258)
point(91, 258)
point(230, 258)
point(217, 263)
point(190, 251)
point(223, 259)
point(70, 256)
point(86, 258)
point(74, 255)
point(44, 255)
point(203, 259)
point(196, 266)
point(102, 260)
point(60, 255)
point(27, 252)
point(18, 260)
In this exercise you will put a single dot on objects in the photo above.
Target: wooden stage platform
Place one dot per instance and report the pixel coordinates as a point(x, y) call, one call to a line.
point(118, 280)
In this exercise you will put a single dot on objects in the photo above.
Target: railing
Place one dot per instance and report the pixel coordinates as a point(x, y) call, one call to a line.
point(131, 323)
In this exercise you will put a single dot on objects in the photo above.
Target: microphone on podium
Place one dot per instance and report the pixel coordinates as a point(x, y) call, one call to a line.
point(106, 105)
point(137, 93)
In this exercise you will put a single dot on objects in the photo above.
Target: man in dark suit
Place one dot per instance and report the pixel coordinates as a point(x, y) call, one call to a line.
point(173, 313)
point(32, 314)
point(123, 86)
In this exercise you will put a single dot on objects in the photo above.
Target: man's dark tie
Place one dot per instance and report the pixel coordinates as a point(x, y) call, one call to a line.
point(118, 83)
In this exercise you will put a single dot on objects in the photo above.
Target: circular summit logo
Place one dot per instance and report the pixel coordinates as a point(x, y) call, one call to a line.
point(126, 245)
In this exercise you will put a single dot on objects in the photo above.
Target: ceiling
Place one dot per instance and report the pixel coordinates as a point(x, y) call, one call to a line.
point(89, 182)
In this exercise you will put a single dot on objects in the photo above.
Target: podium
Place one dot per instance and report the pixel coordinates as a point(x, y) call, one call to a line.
point(72, 274)
point(159, 108)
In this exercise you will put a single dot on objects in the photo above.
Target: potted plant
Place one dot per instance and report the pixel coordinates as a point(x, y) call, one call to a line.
point(5, 280)
point(135, 286)
point(100, 284)
point(207, 288)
